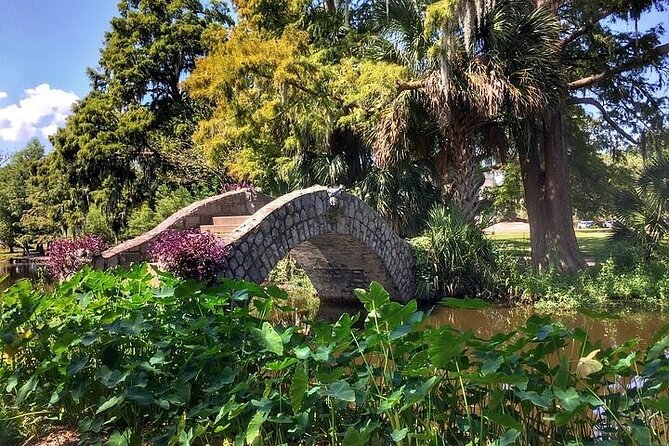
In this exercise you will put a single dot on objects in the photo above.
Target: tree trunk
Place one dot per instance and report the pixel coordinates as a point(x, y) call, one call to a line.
point(567, 256)
point(467, 179)
point(545, 172)
point(537, 217)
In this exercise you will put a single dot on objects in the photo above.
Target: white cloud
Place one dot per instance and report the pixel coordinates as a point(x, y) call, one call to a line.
point(40, 113)
point(3, 94)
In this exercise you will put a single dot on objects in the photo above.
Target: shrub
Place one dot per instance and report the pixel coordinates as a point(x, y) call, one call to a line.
point(67, 256)
point(190, 254)
point(642, 213)
point(454, 258)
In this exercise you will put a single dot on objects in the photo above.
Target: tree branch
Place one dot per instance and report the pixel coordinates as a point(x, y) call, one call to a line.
point(635, 62)
point(605, 115)
point(584, 29)
point(411, 85)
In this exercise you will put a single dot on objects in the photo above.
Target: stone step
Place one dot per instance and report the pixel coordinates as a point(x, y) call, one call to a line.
point(224, 225)
point(230, 220)
point(218, 229)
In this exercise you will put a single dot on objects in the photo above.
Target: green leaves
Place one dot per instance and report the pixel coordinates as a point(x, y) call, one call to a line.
point(253, 428)
point(111, 402)
point(199, 366)
point(298, 388)
point(339, 390)
point(269, 339)
point(374, 299)
point(26, 389)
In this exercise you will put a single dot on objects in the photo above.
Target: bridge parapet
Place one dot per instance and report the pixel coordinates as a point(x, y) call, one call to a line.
point(238, 202)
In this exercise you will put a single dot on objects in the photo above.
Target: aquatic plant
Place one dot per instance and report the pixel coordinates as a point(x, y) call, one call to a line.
point(138, 355)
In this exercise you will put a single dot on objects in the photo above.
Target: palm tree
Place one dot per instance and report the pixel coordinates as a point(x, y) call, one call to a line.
point(493, 59)
point(642, 213)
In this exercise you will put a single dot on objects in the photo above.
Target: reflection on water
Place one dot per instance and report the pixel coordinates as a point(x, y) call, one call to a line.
point(611, 331)
point(485, 323)
point(18, 271)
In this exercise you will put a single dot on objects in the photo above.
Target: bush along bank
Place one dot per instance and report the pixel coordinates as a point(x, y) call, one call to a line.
point(454, 258)
point(139, 356)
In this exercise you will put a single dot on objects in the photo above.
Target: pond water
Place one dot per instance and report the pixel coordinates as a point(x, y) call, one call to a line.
point(611, 330)
point(18, 271)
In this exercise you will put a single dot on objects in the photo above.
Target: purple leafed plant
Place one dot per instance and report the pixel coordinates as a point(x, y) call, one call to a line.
point(67, 256)
point(229, 187)
point(190, 254)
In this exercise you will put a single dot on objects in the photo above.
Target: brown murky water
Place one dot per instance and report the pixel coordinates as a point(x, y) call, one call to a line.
point(17, 271)
point(611, 330)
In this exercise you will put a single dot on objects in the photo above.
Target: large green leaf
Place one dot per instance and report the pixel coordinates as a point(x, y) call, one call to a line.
point(340, 390)
point(374, 299)
point(418, 394)
point(140, 395)
point(253, 428)
point(569, 398)
point(444, 345)
point(111, 402)
point(298, 388)
point(26, 389)
point(505, 420)
point(269, 339)
point(354, 437)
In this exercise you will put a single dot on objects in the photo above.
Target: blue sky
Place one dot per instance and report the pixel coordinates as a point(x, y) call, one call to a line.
point(45, 48)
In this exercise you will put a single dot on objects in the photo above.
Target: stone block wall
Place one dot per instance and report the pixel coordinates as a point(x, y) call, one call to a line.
point(339, 240)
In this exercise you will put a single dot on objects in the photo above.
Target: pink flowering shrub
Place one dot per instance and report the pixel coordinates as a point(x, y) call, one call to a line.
point(190, 254)
point(67, 256)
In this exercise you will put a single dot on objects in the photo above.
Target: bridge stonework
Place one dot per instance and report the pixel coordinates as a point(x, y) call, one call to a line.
point(340, 241)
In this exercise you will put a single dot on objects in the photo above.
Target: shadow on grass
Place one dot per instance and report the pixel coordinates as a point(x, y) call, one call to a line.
point(593, 243)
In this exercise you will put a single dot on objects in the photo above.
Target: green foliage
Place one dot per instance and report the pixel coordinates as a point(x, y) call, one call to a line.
point(507, 198)
point(594, 178)
point(14, 181)
point(454, 258)
point(168, 202)
point(302, 295)
point(176, 363)
point(627, 278)
point(131, 132)
point(642, 213)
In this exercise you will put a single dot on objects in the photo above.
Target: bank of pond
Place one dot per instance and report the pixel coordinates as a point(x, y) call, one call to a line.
point(130, 357)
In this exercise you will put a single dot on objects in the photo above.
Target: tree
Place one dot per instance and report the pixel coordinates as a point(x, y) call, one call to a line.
point(130, 133)
point(494, 59)
point(14, 180)
point(605, 65)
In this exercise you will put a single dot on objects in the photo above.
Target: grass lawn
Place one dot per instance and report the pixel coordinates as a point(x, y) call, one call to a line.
point(4, 254)
point(591, 241)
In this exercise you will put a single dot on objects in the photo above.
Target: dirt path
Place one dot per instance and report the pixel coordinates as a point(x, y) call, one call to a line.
point(57, 438)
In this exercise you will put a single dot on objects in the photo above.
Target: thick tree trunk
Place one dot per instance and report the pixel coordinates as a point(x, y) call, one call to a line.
point(537, 217)
point(467, 179)
point(545, 171)
point(567, 256)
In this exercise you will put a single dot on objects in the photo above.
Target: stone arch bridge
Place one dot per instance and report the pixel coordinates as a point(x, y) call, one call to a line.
point(341, 242)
